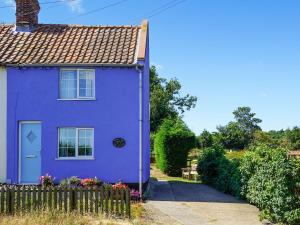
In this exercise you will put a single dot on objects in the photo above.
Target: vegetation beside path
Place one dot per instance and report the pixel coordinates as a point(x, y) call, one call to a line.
point(264, 175)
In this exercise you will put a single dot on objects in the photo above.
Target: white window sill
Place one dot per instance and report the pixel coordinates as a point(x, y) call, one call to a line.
point(73, 158)
point(77, 99)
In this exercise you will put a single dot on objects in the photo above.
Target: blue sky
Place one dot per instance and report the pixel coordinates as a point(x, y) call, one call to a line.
point(228, 53)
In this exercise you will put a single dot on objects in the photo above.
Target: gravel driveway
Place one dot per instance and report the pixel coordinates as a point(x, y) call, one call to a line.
point(198, 204)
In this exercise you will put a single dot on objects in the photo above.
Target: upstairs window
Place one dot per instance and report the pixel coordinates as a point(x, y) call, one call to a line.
point(77, 84)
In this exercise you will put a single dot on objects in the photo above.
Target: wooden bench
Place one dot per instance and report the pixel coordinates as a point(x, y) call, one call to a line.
point(190, 173)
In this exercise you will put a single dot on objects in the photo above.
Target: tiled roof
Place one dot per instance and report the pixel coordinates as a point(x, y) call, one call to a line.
point(70, 44)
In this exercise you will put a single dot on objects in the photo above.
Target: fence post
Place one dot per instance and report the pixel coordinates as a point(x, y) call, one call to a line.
point(2, 200)
point(72, 199)
point(8, 201)
point(128, 203)
point(75, 198)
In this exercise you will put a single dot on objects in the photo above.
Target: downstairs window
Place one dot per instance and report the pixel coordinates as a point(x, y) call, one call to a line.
point(76, 142)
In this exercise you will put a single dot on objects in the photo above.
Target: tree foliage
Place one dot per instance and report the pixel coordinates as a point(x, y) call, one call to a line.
point(205, 139)
point(293, 137)
point(289, 138)
point(232, 136)
point(238, 134)
point(166, 100)
point(246, 120)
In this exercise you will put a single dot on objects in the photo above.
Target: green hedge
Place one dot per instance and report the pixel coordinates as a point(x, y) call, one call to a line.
point(264, 176)
point(171, 144)
point(216, 170)
point(269, 180)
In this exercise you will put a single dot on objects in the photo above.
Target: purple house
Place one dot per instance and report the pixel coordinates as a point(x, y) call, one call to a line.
point(74, 100)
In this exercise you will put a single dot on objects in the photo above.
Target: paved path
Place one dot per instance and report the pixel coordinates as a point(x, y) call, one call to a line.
point(198, 204)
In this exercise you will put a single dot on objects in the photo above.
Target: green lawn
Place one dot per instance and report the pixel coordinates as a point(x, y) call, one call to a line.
point(156, 173)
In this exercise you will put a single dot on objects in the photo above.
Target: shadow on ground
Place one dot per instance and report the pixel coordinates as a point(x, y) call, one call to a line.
point(180, 191)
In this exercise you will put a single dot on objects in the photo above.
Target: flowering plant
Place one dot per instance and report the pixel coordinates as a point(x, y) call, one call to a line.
point(119, 185)
point(135, 195)
point(90, 182)
point(74, 181)
point(47, 180)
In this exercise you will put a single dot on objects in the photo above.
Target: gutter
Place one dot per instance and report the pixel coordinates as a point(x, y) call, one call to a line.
point(140, 71)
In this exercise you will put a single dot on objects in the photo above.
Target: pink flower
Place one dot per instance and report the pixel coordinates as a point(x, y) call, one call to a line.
point(46, 180)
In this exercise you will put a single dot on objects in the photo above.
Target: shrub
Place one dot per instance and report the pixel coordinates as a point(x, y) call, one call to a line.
point(268, 181)
point(293, 217)
point(152, 157)
point(215, 169)
point(228, 180)
point(208, 166)
point(74, 181)
point(172, 144)
point(64, 183)
point(264, 175)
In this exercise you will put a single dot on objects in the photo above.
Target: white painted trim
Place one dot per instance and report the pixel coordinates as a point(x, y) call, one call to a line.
point(77, 99)
point(75, 159)
point(3, 124)
point(76, 145)
point(20, 146)
point(77, 76)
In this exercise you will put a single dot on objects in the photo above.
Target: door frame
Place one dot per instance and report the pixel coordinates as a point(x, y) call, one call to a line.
point(20, 146)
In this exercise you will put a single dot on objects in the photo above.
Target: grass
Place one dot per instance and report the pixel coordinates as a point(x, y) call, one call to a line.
point(61, 218)
point(156, 173)
point(234, 154)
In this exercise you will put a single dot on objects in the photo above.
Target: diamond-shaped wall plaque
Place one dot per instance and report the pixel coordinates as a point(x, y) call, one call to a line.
point(31, 136)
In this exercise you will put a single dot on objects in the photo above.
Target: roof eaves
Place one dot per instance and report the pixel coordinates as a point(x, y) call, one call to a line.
point(71, 65)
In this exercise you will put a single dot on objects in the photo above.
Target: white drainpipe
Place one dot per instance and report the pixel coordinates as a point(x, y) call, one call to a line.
point(140, 130)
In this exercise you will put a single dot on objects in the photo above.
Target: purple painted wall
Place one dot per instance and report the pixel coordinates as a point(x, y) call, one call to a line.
point(33, 95)
point(146, 113)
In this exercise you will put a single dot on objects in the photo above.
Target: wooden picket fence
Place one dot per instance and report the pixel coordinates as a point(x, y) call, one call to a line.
point(26, 199)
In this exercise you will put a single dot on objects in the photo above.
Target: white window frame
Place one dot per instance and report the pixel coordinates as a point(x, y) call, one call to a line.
point(77, 157)
point(78, 97)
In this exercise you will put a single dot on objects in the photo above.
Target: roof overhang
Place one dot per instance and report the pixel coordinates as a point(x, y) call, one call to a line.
point(73, 65)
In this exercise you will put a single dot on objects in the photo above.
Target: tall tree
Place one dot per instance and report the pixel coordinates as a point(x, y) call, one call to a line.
point(166, 100)
point(247, 120)
point(238, 134)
